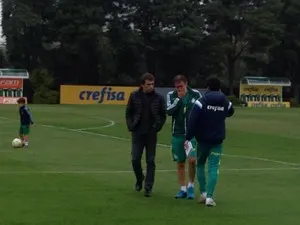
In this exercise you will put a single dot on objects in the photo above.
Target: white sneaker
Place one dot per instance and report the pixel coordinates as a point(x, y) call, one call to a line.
point(202, 198)
point(209, 202)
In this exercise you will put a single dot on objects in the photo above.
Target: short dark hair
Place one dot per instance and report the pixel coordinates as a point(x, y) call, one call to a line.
point(21, 101)
point(147, 76)
point(179, 78)
point(213, 83)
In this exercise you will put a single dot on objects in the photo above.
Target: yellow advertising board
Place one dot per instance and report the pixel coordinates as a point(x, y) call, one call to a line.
point(260, 90)
point(106, 95)
point(269, 104)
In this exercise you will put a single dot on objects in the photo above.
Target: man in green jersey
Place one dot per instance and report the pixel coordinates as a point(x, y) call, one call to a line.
point(179, 105)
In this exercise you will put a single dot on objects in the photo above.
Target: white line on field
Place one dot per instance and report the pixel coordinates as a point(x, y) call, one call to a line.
point(162, 145)
point(111, 123)
point(129, 171)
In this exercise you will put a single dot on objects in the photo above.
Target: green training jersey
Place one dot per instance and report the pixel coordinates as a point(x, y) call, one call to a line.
point(180, 108)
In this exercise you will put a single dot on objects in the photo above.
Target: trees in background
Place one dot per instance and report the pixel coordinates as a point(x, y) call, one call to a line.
point(113, 42)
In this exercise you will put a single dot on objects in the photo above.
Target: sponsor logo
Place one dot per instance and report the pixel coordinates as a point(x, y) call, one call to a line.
point(251, 89)
point(260, 90)
point(215, 108)
point(269, 104)
point(105, 94)
point(11, 83)
point(272, 90)
point(9, 100)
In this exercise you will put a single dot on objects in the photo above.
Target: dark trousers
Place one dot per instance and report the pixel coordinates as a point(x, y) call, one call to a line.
point(139, 142)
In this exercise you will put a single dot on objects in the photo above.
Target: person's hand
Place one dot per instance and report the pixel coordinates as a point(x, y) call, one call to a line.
point(186, 144)
point(181, 93)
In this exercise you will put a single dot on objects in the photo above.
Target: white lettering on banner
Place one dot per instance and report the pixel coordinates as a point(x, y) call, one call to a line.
point(9, 82)
point(10, 101)
point(215, 108)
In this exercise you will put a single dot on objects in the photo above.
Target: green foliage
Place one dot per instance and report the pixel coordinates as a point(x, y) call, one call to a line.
point(41, 77)
point(42, 85)
point(240, 28)
point(294, 102)
point(45, 95)
point(3, 58)
point(113, 42)
point(236, 101)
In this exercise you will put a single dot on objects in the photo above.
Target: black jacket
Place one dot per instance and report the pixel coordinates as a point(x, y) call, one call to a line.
point(207, 119)
point(134, 110)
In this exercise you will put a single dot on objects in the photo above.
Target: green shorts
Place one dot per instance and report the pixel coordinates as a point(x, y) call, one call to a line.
point(24, 130)
point(178, 151)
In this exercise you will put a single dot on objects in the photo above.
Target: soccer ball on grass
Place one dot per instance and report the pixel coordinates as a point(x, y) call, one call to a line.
point(17, 143)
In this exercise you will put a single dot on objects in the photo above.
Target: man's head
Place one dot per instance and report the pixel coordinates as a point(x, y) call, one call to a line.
point(213, 84)
point(21, 101)
point(147, 82)
point(180, 83)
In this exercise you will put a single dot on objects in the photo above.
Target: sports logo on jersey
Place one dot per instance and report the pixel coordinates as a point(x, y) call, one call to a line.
point(215, 108)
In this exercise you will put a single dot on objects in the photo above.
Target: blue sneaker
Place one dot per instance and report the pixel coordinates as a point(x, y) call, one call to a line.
point(190, 193)
point(181, 194)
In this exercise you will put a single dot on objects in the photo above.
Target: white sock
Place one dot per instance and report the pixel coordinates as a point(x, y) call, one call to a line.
point(190, 184)
point(183, 188)
point(26, 143)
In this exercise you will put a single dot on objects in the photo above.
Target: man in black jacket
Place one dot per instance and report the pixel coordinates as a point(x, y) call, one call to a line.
point(145, 117)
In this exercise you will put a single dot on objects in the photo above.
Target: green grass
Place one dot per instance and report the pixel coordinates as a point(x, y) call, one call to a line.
point(58, 180)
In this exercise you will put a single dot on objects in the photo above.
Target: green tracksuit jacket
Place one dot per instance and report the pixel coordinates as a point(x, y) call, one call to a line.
point(180, 108)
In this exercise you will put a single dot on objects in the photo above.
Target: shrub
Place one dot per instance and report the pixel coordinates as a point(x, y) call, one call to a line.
point(42, 83)
point(236, 101)
point(294, 102)
point(45, 95)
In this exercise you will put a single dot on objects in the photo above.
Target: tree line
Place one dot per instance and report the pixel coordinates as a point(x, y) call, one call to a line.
point(112, 42)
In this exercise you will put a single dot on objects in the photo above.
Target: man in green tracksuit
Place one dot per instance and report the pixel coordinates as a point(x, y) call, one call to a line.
point(179, 105)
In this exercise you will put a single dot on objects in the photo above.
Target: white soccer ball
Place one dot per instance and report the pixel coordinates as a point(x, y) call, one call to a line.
point(17, 143)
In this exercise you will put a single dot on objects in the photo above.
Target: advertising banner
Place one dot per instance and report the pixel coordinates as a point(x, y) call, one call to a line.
point(10, 83)
point(106, 95)
point(10, 100)
point(269, 104)
point(260, 90)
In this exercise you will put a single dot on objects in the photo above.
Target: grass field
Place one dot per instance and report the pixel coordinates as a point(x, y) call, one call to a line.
point(77, 171)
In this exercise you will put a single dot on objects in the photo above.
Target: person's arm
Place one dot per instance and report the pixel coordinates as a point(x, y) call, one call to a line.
point(193, 121)
point(27, 111)
point(172, 105)
point(128, 113)
point(163, 116)
point(230, 109)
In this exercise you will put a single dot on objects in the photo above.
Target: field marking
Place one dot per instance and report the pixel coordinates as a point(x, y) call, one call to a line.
point(130, 171)
point(111, 123)
point(168, 146)
point(161, 145)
